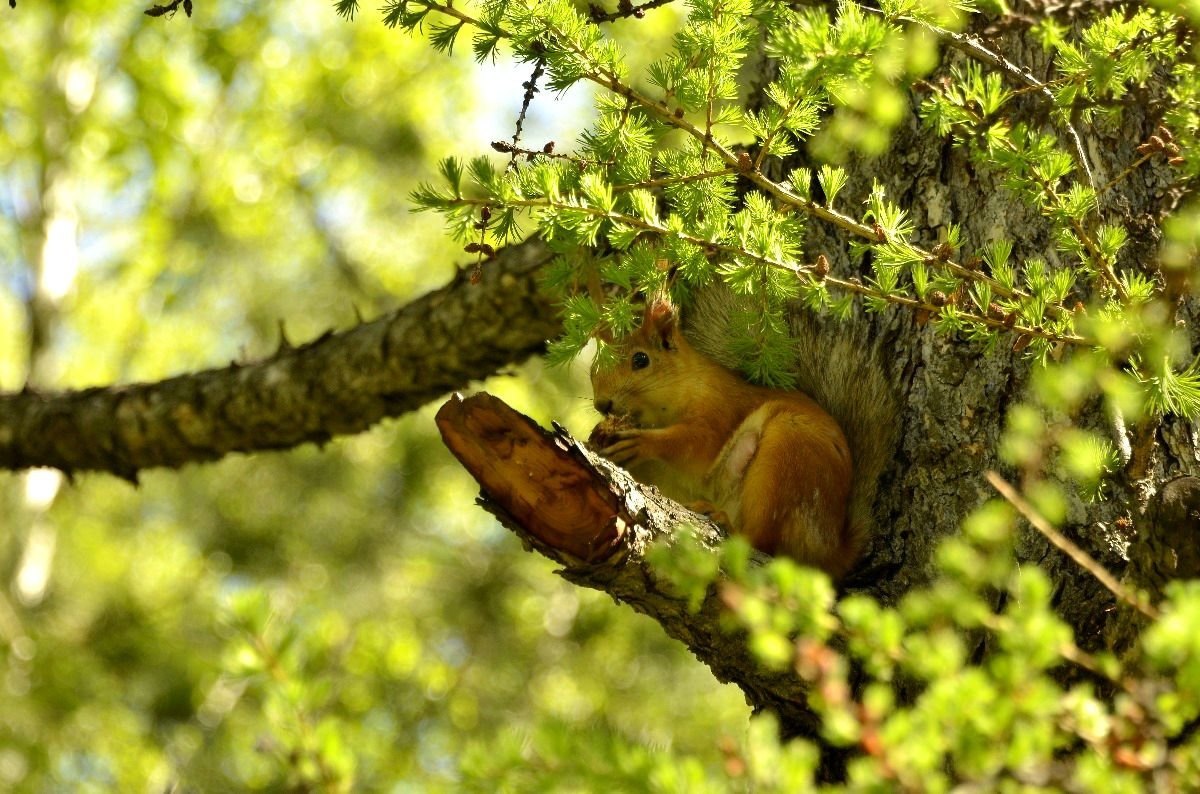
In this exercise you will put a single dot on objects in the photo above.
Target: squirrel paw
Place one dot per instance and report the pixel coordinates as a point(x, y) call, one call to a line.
point(627, 447)
point(709, 509)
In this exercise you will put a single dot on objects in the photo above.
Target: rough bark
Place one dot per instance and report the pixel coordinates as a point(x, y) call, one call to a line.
point(339, 384)
point(955, 396)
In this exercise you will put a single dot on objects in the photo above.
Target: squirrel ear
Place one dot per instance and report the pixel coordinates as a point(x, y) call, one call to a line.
point(661, 321)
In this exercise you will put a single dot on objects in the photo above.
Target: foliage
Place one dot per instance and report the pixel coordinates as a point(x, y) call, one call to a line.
point(675, 186)
point(654, 180)
point(336, 620)
point(368, 634)
point(333, 621)
point(988, 721)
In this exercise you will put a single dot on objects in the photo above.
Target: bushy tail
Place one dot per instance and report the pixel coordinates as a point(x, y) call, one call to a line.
point(839, 366)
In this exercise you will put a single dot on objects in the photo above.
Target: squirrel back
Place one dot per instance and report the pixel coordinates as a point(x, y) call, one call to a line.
point(837, 365)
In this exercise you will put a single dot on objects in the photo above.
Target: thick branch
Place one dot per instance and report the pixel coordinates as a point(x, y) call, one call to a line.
point(582, 512)
point(339, 384)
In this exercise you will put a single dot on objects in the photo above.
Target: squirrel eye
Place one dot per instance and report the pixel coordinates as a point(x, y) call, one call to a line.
point(640, 360)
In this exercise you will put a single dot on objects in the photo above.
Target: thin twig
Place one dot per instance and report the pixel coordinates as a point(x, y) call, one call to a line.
point(530, 86)
point(1067, 649)
point(1065, 545)
point(1076, 655)
point(159, 10)
point(1128, 170)
point(547, 151)
point(667, 181)
point(624, 9)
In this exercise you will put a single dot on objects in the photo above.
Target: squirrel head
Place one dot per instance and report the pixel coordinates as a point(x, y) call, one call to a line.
point(644, 383)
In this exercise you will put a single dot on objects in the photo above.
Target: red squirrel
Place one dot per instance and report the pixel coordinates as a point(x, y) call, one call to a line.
point(772, 463)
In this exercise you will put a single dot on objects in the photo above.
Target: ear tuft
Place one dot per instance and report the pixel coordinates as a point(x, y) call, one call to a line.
point(661, 321)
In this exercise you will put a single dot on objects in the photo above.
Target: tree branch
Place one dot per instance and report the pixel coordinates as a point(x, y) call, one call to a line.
point(1066, 546)
point(339, 384)
point(593, 518)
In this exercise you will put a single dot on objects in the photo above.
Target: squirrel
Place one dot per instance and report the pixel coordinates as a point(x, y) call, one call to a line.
point(772, 464)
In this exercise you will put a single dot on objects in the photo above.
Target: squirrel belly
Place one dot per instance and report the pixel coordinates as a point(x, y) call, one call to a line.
point(772, 461)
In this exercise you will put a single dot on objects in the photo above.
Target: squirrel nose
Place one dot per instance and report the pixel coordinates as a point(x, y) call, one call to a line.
point(604, 406)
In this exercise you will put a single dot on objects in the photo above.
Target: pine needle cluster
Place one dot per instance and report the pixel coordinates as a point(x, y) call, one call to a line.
point(670, 189)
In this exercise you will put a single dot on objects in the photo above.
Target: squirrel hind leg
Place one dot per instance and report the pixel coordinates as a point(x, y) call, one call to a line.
point(793, 498)
point(739, 451)
point(725, 479)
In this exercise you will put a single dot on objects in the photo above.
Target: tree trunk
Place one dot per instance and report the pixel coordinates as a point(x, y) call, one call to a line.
point(955, 398)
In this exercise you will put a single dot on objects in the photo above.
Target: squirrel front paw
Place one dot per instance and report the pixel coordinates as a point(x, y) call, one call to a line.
point(705, 507)
point(617, 439)
point(604, 433)
point(627, 447)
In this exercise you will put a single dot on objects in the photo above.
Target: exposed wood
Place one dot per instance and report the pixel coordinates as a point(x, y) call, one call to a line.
point(544, 483)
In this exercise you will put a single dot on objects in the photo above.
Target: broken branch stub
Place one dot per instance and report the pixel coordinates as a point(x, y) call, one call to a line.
point(542, 480)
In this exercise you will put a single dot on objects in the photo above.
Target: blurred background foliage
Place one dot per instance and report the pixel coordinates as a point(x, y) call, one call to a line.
point(171, 190)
